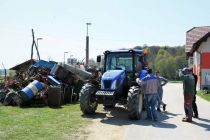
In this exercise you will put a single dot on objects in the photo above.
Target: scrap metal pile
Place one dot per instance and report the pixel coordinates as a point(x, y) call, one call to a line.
point(43, 83)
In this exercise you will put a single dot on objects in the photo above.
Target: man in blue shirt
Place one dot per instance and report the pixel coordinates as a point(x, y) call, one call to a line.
point(150, 85)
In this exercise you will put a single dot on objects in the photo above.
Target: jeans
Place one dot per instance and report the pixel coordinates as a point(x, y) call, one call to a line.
point(194, 106)
point(150, 104)
point(160, 97)
point(188, 97)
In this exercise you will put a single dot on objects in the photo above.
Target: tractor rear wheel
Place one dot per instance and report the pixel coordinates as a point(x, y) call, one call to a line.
point(135, 102)
point(88, 104)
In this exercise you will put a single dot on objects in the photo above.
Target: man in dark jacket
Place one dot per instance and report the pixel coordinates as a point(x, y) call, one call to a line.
point(194, 106)
point(188, 88)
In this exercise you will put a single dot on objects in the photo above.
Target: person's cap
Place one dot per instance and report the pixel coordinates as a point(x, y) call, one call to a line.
point(186, 70)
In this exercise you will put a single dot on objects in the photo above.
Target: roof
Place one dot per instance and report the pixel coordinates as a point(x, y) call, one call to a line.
point(194, 35)
point(198, 27)
point(125, 51)
point(198, 43)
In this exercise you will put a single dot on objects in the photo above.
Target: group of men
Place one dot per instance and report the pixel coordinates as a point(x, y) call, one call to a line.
point(153, 93)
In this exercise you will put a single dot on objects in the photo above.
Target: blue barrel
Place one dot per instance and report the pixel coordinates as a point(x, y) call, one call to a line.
point(32, 89)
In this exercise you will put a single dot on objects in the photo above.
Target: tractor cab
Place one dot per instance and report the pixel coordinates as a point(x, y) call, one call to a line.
point(131, 61)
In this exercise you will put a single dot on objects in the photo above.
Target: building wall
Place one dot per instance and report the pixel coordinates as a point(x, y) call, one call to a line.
point(204, 59)
point(196, 58)
point(205, 46)
point(196, 67)
point(205, 78)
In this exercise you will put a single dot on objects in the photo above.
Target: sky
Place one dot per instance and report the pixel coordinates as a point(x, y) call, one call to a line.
point(115, 24)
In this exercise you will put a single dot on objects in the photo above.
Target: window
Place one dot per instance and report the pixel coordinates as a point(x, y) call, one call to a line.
point(121, 61)
point(190, 61)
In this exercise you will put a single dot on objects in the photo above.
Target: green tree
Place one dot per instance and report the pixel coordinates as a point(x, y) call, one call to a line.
point(165, 63)
point(166, 59)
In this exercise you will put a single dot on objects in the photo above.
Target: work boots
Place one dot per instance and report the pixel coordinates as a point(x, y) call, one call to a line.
point(186, 119)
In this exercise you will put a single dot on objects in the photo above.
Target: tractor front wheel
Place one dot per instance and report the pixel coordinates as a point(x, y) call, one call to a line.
point(135, 102)
point(88, 104)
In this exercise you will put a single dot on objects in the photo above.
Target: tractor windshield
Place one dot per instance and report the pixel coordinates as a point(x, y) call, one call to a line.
point(120, 61)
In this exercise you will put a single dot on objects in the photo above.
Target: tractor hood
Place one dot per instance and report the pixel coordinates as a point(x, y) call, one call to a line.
point(112, 74)
point(112, 79)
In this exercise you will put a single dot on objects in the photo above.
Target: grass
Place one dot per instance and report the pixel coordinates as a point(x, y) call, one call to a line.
point(41, 123)
point(203, 95)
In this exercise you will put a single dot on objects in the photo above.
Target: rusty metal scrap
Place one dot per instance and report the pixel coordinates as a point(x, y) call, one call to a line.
point(61, 84)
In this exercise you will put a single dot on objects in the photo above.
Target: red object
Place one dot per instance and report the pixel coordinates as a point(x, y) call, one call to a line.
point(205, 60)
point(196, 70)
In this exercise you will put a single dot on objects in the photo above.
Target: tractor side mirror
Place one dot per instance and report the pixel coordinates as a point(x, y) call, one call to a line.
point(98, 58)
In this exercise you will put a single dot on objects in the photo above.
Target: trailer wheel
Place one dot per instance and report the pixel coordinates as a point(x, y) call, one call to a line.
point(135, 103)
point(88, 104)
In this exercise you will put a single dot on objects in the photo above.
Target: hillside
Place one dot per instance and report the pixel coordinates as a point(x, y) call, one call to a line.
point(168, 60)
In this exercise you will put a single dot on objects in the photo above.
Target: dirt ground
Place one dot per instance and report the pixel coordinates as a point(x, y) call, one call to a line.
point(109, 124)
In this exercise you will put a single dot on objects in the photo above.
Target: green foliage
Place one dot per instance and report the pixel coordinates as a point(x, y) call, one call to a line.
point(204, 95)
point(11, 73)
point(41, 123)
point(168, 60)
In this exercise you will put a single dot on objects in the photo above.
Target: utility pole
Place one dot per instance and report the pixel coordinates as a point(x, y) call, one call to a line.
point(32, 46)
point(87, 47)
point(37, 40)
point(5, 73)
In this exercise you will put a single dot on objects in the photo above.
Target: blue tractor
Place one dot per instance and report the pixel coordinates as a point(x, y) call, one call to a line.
point(117, 84)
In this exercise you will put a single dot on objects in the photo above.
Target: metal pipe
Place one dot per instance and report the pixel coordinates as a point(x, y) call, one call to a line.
point(87, 47)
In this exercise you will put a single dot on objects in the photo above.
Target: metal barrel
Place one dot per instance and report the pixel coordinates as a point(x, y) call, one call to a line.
point(54, 96)
point(32, 89)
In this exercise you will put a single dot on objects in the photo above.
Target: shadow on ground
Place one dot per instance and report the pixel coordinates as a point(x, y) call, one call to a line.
point(205, 123)
point(119, 116)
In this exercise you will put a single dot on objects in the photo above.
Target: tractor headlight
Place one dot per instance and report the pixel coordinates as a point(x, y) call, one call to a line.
point(114, 85)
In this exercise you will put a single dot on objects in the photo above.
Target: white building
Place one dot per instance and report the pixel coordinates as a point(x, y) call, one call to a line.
point(198, 54)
